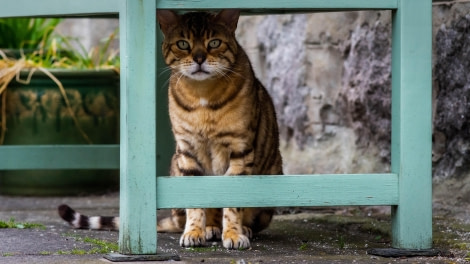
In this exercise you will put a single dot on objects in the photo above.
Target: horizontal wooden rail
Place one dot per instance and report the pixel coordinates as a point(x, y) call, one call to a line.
point(305, 5)
point(28, 8)
point(103, 7)
point(25, 157)
point(277, 191)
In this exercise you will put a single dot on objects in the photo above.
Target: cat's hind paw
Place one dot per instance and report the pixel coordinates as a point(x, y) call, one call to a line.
point(213, 233)
point(247, 232)
point(234, 240)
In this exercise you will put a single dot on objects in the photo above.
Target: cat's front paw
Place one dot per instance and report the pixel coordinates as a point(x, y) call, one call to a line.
point(213, 233)
point(234, 240)
point(193, 238)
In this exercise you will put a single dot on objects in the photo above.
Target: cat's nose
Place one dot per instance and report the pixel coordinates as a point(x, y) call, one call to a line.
point(199, 58)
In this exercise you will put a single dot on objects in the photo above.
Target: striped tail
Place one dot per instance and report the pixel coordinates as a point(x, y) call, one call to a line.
point(77, 220)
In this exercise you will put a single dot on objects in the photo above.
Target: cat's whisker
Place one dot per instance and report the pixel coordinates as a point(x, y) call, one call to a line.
point(179, 78)
point(164, 70)
point(222, 70)
point(166, 83)
point(228, 69)
point(223, 74)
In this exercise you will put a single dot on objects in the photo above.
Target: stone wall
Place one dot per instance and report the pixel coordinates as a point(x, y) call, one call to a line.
point(329, 75)
point(452, 77)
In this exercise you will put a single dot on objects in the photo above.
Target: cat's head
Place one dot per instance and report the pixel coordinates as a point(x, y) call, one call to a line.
point(199, 45)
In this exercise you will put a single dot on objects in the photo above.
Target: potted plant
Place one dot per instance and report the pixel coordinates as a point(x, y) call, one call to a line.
point(53, 91)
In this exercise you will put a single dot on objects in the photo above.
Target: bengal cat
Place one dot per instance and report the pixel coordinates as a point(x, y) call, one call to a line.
point(223, 121)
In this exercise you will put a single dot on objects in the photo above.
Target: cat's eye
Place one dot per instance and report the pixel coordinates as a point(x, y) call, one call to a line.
point(182, 44)
point(215, 43)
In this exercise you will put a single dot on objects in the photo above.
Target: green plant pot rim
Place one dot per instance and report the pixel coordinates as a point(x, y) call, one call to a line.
point(71, 72)
point(68, 77)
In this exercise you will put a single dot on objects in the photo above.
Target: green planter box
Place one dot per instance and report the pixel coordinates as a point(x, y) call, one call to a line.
point(37, 115)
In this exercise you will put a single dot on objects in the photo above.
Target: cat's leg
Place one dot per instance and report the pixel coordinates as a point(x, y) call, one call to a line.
point(184, 163)
point(232, 233)
point(195, 229)
point(213, 224)
point(241, 161)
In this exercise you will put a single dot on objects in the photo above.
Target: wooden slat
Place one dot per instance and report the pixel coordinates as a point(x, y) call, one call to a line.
point(260, 5)
point(284, 190)
point(29, 8)
point(22, 8)
point(59, 157)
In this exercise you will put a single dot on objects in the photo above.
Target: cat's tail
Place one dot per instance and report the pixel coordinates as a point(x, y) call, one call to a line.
point(80, 221)
point(172, 224)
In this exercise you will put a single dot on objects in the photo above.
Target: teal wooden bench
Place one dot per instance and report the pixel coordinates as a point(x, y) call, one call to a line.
point(146, 141)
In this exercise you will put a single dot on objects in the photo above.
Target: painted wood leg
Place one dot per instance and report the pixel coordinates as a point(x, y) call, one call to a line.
point(412, 124)
point(138, 234)
point(138, 204)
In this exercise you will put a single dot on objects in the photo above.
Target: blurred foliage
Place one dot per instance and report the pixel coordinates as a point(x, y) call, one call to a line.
point(26, 33)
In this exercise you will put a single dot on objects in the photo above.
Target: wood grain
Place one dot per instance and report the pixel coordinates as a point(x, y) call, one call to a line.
point(284, 190)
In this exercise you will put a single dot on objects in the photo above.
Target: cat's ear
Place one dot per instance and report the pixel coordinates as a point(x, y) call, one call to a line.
point(166, 18)
point(229, 17)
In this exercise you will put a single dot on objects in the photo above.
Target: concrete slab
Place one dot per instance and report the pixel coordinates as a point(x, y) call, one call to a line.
point(326, 235)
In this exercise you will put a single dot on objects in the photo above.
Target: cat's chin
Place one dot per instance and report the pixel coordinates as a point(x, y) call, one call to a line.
point(200, 76)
